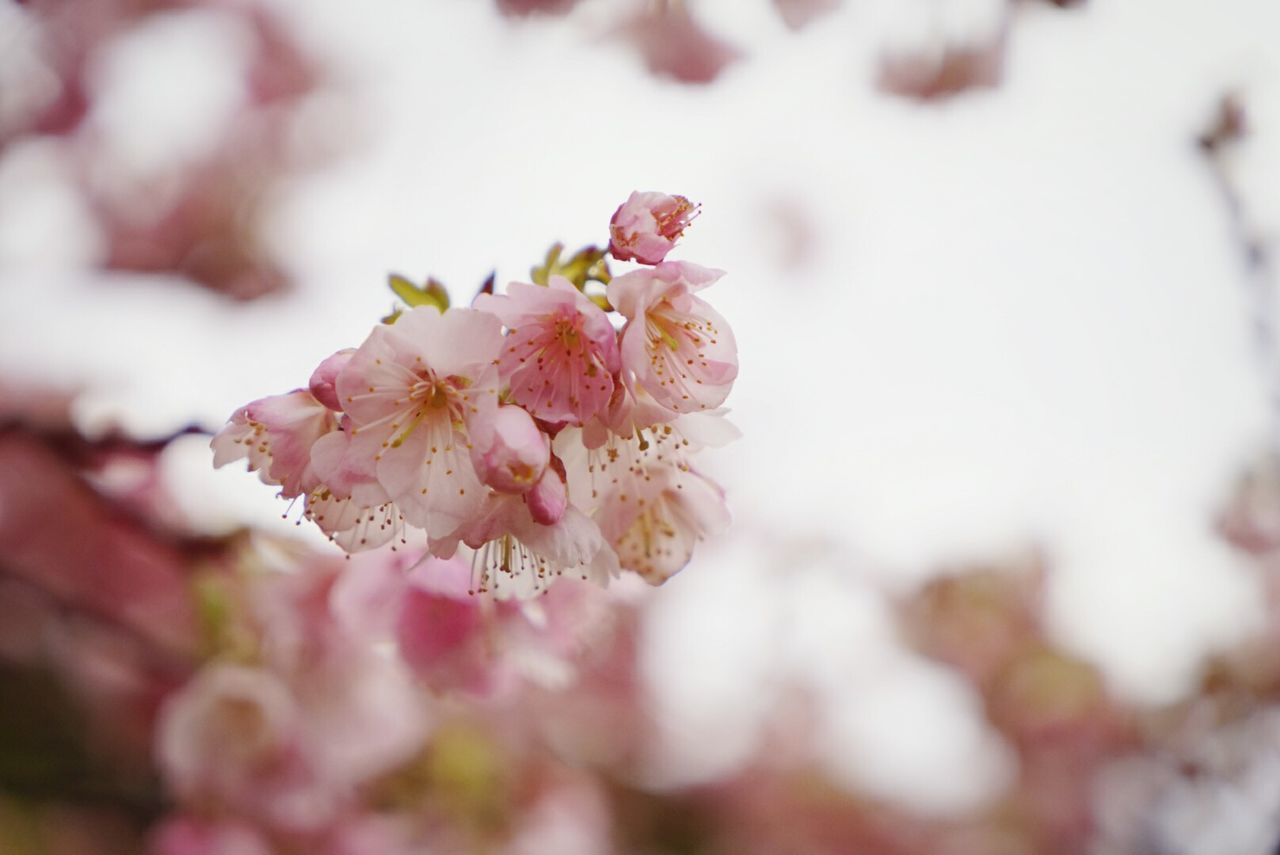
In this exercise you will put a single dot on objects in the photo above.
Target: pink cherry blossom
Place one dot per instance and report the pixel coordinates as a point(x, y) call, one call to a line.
point(326, 374)
point(656, 536)
point(276, 435)
point(355, 527)
point(675, 346)
point(517, 454)
point(350, 505)
point(420, 394)
point(516, 556)
point(651, 506)
point(560, 353)
point(647, 226)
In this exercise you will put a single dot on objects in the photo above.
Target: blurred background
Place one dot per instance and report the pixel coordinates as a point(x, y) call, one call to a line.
point(1003, 576)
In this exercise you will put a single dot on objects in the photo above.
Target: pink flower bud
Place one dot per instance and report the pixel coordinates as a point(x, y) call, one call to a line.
point(647, 226)
point(549, 497)
point(323, 378)
point(517, 455)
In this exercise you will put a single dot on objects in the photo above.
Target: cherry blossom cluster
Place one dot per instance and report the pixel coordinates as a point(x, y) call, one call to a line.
point(547, 431)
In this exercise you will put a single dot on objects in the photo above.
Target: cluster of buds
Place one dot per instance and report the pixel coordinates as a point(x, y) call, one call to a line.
point(549, 430)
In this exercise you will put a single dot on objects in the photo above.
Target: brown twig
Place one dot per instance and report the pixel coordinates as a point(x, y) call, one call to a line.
point(1226, 130)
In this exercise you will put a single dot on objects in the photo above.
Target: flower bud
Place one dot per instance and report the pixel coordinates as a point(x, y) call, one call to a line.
point(647, 226)
point(326, 373)
point(517, 456)
point(549, 498)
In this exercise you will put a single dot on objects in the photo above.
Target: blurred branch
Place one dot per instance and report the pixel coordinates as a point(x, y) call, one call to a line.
point(1226, 130)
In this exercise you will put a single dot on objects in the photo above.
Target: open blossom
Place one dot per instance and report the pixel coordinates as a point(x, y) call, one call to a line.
point(232, 737)
point(651, 506)
point(676, 509)
point(516, 556)
point(349, 504)
point(675, 347)
point(276, 435)
point(647, 226)
point(560, 353)
point(420, 393)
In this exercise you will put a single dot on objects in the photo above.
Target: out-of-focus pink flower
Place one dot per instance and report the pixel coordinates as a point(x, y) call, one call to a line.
point(675, 45)
point(522, 8)
point(276, 435)
point(561, 352)
point(675, 346)
point(232, 736)
point(516, 456)
point(319, 626)
point(286, 742)
point(797, 14)
point(420, 393)
point(455, 641)
point(391, 833)
point(326, 375)
point(440, 628)
point(647, 226)
point(185, 835)
point(570, 816)
point(936, 72)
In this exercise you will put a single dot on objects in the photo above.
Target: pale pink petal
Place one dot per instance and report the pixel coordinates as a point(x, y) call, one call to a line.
point(675, 347)
point(353, 526)
point(432, 478)
point(517, 557)
point(275, 434)
point(345, 472)
point(452, 342)
point(420, 394)
point(560, 353)
point(708, 429)
point(661, 537)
